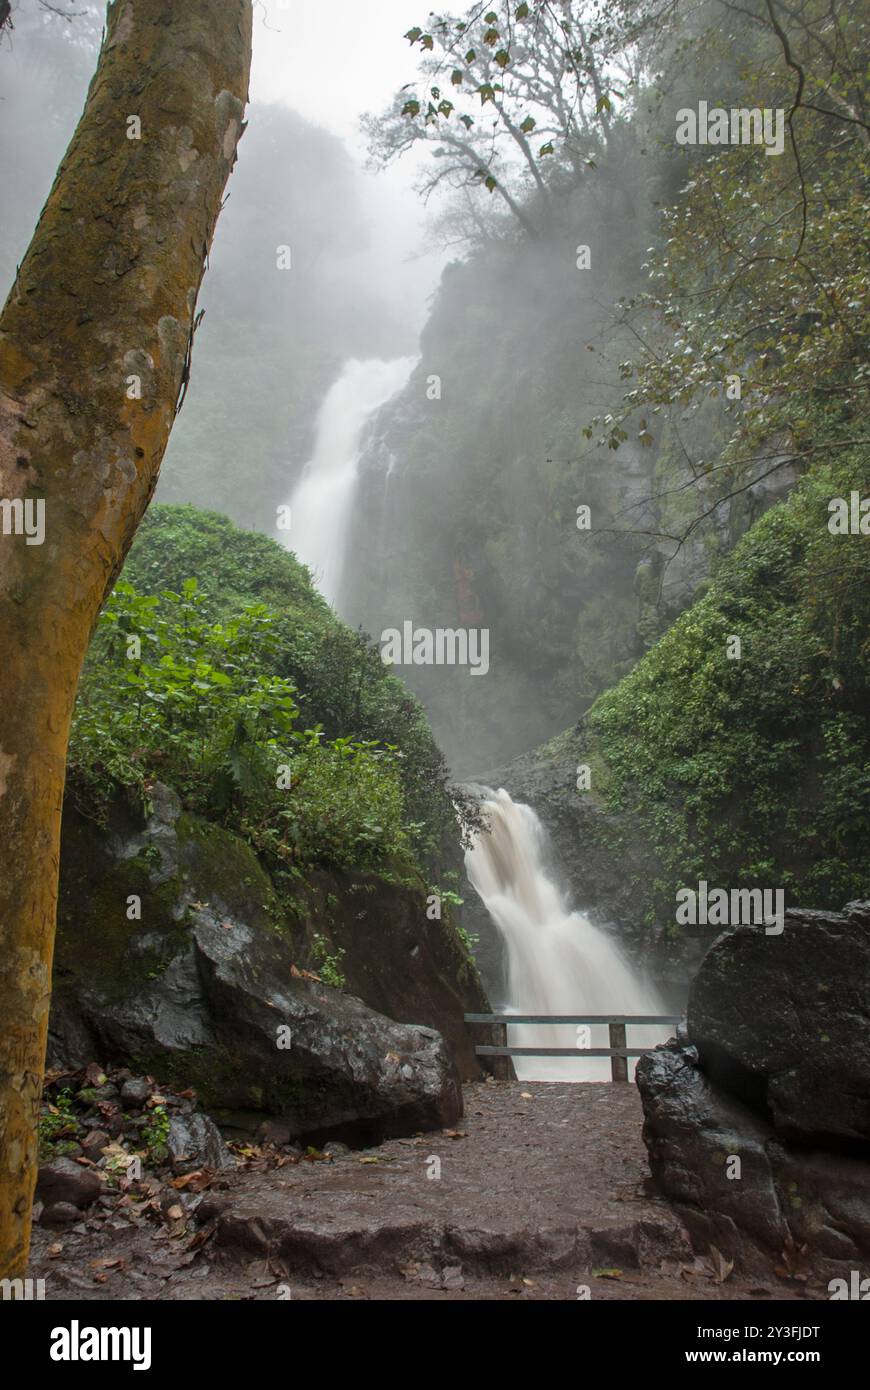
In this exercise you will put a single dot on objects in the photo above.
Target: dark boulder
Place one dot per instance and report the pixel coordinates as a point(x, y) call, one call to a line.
point(399, 958)
point(807, 1210)
point(194, 988)
point(194, 1141)
point(59, 1214)
point(784, 1021)
point(756, 1120)
point(63, 1180)
point(314, 1055)
point(135, 1092)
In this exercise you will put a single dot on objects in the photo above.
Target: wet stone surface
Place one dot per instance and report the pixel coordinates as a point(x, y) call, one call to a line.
point(542, 1192)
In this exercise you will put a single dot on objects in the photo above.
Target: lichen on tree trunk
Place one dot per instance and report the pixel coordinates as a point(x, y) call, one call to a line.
point(106, 293)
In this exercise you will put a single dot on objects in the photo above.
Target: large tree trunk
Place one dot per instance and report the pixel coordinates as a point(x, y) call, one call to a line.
point(106, 291)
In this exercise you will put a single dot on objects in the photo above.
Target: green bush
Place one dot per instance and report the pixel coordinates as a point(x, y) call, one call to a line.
point(341, 684)
point(227, 697)
point(754, 772)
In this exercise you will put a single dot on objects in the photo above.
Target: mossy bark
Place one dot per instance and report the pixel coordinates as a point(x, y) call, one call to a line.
point(106, 292)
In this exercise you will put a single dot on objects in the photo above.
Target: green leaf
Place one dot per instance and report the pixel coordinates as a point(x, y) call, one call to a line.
point(528, 124)
point(522, 11)
point(549, 148)
point(491, 183)
point(467, 121)
point(456, 77)
point(487, 93)
point(470, 56)
point(502, 57)
point(411, 108)
point(413, 35)
point(491, 37)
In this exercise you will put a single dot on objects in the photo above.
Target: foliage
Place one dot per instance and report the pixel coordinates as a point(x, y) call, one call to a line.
point(218, 693)
point(328, 964)
point(155, 1134)
point(58, 1126)
point(341, 682)
point(761, 273)
point(201, 709)
point(754, 771)
point(515, 100)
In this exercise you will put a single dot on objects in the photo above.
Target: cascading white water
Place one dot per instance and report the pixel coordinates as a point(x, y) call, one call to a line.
point(320, 507)
point(558, 962)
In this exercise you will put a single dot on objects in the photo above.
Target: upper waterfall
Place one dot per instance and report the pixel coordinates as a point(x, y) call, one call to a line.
point(321, 504)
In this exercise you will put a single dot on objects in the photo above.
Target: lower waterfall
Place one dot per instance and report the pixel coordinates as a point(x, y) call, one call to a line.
point(558, 962)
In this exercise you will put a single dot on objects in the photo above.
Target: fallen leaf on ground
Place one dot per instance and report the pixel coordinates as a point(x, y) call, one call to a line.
point(794, 1261)
point(202, 1236)
point(197, 1181)
point(721, 1267)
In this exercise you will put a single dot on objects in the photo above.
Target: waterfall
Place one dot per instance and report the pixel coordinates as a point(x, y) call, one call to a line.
point(558, 962)
point(321, 505)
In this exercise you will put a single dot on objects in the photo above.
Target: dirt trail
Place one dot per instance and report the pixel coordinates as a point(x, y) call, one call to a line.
point(540, 1192)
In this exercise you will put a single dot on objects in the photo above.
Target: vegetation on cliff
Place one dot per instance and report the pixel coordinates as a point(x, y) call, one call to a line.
point(752, 771)
point(217, 668)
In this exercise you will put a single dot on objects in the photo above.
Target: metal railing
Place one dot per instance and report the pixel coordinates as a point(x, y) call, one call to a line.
point(618, 1051)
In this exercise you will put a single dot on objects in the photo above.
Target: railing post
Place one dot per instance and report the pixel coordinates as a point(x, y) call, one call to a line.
point(618, 1065)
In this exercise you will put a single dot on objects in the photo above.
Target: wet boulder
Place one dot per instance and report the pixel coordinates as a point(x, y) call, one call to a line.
point(783, 1021)
point(738, 1187)
point(757, 1119)
point(194, 1141)
point(64, 1180)
point(199, 986)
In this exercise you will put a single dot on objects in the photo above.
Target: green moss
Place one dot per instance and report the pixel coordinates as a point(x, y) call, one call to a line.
point(228, 865)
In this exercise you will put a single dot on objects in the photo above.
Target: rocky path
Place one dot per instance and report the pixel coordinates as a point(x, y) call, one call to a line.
point(540, 1192)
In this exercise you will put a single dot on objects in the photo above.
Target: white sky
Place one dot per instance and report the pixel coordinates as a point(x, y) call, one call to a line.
point(333, 60)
